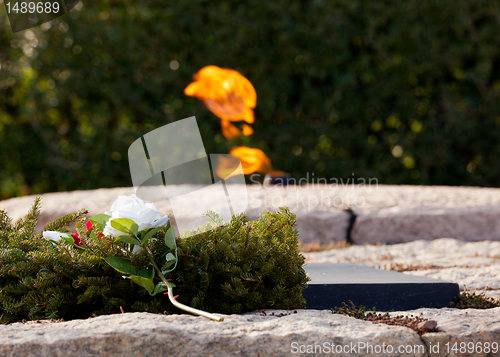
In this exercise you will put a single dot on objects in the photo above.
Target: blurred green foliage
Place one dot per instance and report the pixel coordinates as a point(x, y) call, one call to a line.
point(403, 91)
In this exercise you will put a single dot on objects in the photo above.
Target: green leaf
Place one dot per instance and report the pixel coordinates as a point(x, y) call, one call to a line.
point(120, 264)
point(100, 219)
point(127, 239)
point(167, 264)
point(125, 225)
point(170, 257)
point(158, 289)
point(150, 234)
point(168, 283)
point(147, 273)
point(68, 240)
point(170, 238)
point(144, 282)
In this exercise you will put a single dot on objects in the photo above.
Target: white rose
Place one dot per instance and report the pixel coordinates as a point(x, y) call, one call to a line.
point(54, 235)
point(145, 215)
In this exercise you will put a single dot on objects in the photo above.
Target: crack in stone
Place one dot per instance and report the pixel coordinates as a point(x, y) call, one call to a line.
point(352, 220)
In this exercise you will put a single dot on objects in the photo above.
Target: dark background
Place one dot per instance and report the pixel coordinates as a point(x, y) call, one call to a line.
point(407, 92)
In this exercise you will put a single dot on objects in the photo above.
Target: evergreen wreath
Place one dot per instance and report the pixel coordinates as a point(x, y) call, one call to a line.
point(233, 267)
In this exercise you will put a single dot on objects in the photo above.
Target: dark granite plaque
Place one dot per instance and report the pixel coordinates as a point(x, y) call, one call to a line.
point(332, 284)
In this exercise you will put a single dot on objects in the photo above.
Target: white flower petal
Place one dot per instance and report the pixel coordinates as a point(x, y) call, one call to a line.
point(151, 205)
point(137, 249)
point(54, 235)
point(148, 216)
point(134, 208)
point(144, 225)
point(160, 222)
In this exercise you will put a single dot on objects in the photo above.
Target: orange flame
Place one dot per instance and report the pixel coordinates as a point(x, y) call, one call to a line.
point(226, 167)
point(247, 130)
point(254, 160)
point(231, 97)
point(227, 94)
point(230, 131)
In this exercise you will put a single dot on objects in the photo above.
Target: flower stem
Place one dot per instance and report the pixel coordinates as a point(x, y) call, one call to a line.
point(150, 255)
point(188, 308)
point(174, 302)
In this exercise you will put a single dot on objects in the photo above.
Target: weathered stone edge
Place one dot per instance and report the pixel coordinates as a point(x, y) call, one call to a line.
point(134, 334)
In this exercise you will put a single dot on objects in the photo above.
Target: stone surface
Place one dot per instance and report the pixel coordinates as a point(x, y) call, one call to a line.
point(395, 214)
point(387, 214)
point(333, 284)
point(472, 278)
point(267, 333)
point(57, 204)
point(495, 294)
point(321, 225)
point(143, 334)
point(470, 329)
point(439, 253)
point(474, 265)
